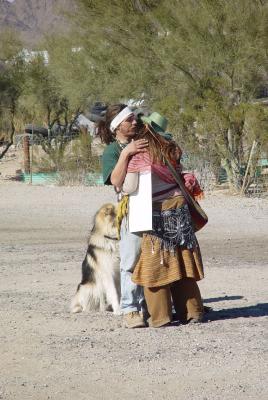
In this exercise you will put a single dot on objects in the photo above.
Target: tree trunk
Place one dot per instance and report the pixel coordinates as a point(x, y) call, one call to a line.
point(235, 178)
point(232, 156)
point(3, 152)
point(11, 140)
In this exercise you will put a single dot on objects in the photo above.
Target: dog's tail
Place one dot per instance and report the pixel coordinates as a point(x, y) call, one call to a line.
point(81, 299)
point(88, 296)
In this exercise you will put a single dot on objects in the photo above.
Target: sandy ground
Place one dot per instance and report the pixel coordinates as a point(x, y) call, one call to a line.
point(46, 353)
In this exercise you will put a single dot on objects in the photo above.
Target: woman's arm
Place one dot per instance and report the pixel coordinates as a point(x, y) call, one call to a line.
point(131, 182)
point(120, 170)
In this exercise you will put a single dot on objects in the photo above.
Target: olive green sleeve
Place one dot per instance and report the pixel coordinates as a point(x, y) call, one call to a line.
point(109, 160)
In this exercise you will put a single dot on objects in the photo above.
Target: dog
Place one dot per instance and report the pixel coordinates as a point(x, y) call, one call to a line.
point(99, 288)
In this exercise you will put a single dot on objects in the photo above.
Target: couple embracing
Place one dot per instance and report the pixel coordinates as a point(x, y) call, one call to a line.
point(160, 267)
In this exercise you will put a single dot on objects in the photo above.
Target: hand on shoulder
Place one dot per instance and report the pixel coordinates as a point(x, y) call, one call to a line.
point(135, 146)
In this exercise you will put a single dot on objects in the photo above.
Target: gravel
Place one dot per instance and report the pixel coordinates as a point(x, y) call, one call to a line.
point(47, 353)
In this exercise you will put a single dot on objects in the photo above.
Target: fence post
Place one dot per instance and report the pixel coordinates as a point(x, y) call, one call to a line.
point(26, 154)
point(248, 165)
point(31, 163)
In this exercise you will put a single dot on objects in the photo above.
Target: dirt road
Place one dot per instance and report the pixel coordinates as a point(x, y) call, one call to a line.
point(46, 353)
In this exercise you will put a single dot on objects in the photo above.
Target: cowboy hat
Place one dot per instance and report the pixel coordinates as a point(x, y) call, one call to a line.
point(158, 123)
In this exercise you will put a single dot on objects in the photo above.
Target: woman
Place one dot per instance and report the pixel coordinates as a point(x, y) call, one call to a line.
point(170, 262)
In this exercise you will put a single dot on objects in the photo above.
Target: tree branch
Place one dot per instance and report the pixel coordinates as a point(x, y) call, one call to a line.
point(11, 141)
point(187, 73)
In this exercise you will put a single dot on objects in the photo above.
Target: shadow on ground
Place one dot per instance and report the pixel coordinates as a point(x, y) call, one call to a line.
point(222, 298)
point(258, 310)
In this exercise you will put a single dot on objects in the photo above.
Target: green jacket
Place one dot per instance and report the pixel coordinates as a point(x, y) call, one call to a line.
point(110, 157)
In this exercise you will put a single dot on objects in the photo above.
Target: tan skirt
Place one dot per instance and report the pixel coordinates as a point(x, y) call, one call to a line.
point(158, 267)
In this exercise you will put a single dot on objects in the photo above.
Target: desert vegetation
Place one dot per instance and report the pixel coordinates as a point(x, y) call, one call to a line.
point(201, 63)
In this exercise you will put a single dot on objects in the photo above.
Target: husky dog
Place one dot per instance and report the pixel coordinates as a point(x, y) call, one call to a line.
point(100, 285)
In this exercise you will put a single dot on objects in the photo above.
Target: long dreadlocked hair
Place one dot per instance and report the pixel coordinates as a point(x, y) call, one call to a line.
point(104, 132)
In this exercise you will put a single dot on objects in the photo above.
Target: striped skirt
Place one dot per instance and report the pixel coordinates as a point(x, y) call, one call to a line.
point(159, 266)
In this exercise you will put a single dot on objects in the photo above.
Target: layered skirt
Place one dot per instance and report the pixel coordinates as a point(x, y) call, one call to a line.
point(171, 251)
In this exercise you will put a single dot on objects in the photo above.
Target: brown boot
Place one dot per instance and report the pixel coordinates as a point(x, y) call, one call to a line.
point(134, 320)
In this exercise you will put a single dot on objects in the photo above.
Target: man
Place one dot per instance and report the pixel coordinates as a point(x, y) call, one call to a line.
point(118, 131)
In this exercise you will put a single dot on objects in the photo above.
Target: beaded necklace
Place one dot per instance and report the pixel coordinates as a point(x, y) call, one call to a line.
point(121, 145)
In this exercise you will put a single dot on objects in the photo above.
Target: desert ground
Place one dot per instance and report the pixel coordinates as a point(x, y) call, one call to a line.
point(48, 353)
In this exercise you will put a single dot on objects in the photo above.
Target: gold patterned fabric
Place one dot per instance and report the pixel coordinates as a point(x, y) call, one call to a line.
point(122, 211)
point(157, 266)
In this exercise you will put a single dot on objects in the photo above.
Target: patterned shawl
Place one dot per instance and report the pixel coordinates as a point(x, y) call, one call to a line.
point(141, 162)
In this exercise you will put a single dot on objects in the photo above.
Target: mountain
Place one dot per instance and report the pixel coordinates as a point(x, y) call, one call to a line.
point(33, 18)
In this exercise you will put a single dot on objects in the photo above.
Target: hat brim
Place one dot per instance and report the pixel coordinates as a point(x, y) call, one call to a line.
point(146, 120)
point(153, 125)
point(167, 136)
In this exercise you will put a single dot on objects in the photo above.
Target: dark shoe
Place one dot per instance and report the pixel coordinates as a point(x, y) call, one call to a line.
point(145, 315)
point(207, 309)
point(197, 320)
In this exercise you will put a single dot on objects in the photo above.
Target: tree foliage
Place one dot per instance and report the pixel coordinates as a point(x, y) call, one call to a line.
point(200, 62)
point(12, 78)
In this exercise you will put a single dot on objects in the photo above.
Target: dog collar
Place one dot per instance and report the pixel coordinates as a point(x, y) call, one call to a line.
point(110, 237)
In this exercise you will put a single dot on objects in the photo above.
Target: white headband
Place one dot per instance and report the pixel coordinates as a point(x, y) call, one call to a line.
point(126, 112)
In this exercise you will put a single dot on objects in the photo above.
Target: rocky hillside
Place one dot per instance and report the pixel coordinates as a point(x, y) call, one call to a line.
point(33, 18)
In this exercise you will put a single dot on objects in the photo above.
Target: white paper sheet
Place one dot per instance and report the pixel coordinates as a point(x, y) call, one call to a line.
point(140, 205)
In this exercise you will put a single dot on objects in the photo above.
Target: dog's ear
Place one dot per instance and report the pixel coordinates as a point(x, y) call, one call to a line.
point(107, 211)
point(110, 210)
point(94, 221)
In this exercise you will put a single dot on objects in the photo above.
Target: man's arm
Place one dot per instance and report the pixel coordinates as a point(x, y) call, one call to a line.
point(120, 170)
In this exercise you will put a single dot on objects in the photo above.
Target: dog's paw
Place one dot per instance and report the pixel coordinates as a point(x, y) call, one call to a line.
point(117, 311)
point(76, 308)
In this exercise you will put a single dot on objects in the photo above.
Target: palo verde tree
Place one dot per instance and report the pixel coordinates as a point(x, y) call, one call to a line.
point(44, 104)
point(113, 62)
point(201, 62)
point(221, 53)
point(12, 80)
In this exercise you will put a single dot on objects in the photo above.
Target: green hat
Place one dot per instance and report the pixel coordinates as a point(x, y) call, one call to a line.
point(156, 121)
